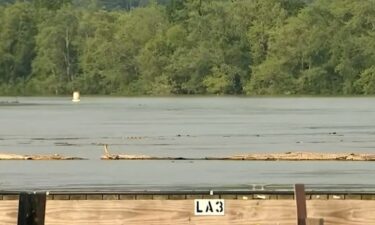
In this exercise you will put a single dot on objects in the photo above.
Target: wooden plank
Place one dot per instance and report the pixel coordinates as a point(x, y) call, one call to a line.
point(285, 197)
point(157, 212)
point(353, 197)
point(128, 197)
point(336, 197)
point(364, 197)
point(319, 197)
point(299, 193)
point(160, 197)
point(61, 197)
point(31, 209)
point(347, 212)
point(10, 197)
point(94, 197)
point(312, 221)
point(180, 212)
point(110, 197)
point(8, 212)
point(194, 196)
point(176, 197)
point(228, 196)
point(144, 197)
point(245, 197)
point(78, 197)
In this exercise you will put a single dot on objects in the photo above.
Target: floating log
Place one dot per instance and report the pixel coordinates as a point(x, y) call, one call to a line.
point(4, 156)
point(109, 156)
point(287, 156)
point(301, 156)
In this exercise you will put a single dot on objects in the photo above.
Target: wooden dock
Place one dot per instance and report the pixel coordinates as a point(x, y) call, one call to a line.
point(157, 208)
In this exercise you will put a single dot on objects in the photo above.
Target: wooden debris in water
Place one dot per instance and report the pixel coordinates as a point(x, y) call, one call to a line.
point(296, 156)
point(110, 156)
point(287, 156)
point(5, 156)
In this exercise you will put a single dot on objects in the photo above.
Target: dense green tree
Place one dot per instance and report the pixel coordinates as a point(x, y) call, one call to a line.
point(165, 47)
point(56, 64)
point(323, 50)
point(17, 44)
point(100, 54)
point(50, 4)
point(366, 82)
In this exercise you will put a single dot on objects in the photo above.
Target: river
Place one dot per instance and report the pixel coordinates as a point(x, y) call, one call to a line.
point(186, 127)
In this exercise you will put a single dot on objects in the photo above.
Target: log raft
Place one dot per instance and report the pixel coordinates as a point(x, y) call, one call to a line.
point(4, 156)
point(287, 156)
point(304, 156)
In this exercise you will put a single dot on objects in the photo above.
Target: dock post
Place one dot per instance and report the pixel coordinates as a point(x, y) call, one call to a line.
point(31, 208)
point(299, 194)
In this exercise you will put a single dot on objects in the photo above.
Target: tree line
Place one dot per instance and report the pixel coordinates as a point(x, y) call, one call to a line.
point(172, 47)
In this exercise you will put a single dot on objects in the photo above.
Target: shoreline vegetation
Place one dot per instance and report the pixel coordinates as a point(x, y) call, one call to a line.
point(187, 47)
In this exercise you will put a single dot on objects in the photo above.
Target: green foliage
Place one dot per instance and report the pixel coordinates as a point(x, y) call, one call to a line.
point(17, 42)
point(50, 4)
point(55, 64)
point(167, 47)
point(323, 50)
point(367, 81)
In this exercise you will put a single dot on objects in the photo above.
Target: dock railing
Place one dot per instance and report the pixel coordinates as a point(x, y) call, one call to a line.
point(253, 207)
point(32, 206)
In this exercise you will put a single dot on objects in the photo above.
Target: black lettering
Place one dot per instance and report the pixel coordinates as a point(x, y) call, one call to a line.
point(209, 207)
point(198, 210)
point(221, 208)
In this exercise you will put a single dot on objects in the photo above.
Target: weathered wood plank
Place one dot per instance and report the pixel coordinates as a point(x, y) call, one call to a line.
point(299, 195)
point(347, 212)
point(156, 212)
point(8, 212)
point(313, 221)
point(238, 212)
point(180, 212)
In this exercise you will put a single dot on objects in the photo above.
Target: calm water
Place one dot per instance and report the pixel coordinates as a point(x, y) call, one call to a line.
point(190, 127)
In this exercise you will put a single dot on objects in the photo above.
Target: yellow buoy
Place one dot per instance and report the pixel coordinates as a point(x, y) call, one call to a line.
point(76, 97)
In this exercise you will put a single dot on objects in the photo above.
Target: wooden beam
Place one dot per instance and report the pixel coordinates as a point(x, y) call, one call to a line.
point(31, 209)
point(299, 193)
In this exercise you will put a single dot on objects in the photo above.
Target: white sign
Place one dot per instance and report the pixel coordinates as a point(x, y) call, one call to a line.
point(209, 207)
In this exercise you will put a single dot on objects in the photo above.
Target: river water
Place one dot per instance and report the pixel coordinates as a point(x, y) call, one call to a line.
point(186, 127)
